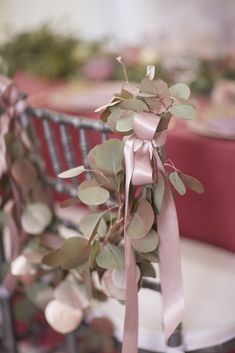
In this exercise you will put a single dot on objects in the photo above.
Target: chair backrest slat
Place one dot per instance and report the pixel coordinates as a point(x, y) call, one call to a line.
point(52, 146)
point(67, 149)
point(54, 123)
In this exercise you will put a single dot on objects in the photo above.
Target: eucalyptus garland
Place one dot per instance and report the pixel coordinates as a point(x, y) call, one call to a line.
point(63, 276)
point(95, 259)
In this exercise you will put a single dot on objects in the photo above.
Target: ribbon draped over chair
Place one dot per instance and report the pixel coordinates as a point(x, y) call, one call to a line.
point(142, 163)
point(12, 105)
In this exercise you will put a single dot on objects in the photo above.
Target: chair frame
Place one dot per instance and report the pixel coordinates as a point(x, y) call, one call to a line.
point(82, 124)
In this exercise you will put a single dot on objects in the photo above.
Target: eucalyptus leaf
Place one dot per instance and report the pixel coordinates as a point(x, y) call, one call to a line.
point(89, 224)
point(187, 112)
point(73, 252)
point(110, 182)
point(70, 173)
point(150, 256)
point(146, 244)
point(192, 183)
point(147, 269)
point(109, 156)
point(90, 193)
point(62, 318)
point(177, 182)
point(72, 293)
point(36, 218)
point(159, 100)
point(24, 174)
point(52, 259)
point(180, 90)
point(125, 124)
point(114, 117)
point(134, 104)
point(69, 202)
point(159, 190)
point(142, 220)
point(111, 256)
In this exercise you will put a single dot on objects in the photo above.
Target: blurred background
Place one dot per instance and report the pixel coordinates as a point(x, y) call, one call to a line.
point(63, 55)
point(195, 38)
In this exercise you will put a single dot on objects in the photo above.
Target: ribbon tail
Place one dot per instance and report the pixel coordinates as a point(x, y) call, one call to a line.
point(130, 336)
point(170, 265)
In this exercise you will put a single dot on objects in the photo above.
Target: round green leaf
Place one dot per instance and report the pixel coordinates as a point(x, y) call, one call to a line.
point(92, 194)
point(187, 112)
point(125, 124)
point(89, 223)
point(142, 221)
point(111, 256)
point(52, 259)
point(192, 183)
point(36, 218)
point(73, 253)
point(92, 224)
point(159, 192)
point(109, 156)
point(177, 182)
point(134, 104)
point(72, 172)
point(180, 90)
point(72, 293)
point(146, 244)
point(147, 269)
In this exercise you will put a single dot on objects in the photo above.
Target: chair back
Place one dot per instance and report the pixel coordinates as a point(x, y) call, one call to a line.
point(63, 141)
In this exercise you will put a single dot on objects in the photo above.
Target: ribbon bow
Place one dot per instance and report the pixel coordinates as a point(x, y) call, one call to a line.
point(13, 106)
point(142, 162)
point(10, 99)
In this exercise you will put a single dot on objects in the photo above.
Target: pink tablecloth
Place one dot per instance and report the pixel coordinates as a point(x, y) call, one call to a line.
point(210, 216)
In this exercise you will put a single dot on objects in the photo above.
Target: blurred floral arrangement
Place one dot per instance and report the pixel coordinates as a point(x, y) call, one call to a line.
point(25, 207)
point(128, 196)
point(50, 55)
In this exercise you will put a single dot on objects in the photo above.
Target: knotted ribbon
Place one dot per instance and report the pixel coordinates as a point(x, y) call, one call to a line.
point(11, 105)
point(142, 161)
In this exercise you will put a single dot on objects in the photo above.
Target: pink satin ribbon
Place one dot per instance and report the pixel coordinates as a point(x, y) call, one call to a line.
point(10, 98)
point(142, 162)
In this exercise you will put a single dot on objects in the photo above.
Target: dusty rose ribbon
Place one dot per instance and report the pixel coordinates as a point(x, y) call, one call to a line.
point(10, 98)
point(141, 162)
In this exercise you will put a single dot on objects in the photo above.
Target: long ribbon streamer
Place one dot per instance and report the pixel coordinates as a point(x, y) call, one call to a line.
point(141, 162)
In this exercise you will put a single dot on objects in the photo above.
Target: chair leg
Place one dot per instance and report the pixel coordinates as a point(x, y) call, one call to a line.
point(9, 339)
point(71, 342)
point(175, 342)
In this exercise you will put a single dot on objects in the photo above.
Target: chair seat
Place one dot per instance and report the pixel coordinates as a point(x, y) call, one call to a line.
point(209, 286)
point(209, 289)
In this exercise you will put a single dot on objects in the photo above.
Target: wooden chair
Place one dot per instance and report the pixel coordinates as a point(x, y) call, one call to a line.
point(209, 275)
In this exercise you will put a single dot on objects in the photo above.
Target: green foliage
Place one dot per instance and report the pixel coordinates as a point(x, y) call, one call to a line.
point(41, 52)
